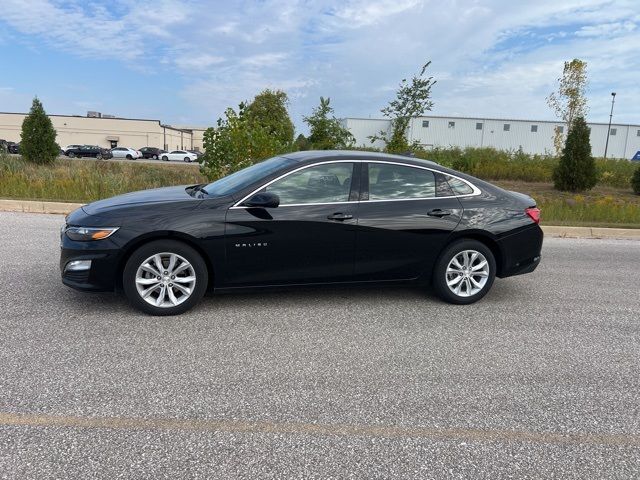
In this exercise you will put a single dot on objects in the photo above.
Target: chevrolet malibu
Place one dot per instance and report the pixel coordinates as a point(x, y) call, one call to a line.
point(301, 219)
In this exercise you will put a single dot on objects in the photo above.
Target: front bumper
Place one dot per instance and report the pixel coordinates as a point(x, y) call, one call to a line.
point(101, 277)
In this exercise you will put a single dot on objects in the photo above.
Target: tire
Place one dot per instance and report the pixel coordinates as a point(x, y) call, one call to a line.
point(99, 156)
point(165, 158)
point(472, 281)
point(187, 159)
point(155, 157)
point(72, 155)
point(129, 157)
point(136, 281)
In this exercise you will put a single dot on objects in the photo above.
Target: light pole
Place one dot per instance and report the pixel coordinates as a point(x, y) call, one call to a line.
point(606, 145)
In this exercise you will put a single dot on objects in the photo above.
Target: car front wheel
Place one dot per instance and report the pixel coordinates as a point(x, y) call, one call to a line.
point(464, 272)
point(165, 277)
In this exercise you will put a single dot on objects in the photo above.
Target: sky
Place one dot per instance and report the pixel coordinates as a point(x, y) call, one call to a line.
point(184, 62)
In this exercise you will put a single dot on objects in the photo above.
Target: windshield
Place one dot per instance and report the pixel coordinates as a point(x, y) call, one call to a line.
point(242, 178)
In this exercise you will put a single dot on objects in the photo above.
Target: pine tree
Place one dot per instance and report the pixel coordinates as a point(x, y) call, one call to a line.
point(635, 181)
point(576, 170)
point(38, 143)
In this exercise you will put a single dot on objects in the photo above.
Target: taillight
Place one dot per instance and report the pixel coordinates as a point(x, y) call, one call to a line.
point(534, 214)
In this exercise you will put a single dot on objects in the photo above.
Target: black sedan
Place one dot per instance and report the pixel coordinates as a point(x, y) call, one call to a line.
point(13, 147)
point(152, 152)
point(91, 151)
point(299, 219)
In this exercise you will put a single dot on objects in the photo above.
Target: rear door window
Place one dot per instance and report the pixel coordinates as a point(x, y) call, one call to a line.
point(397, 182)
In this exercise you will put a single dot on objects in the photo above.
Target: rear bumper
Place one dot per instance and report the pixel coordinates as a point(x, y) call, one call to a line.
point(521, 251)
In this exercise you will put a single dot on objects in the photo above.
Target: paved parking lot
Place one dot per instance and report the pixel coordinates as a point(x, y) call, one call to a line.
point(539, 380)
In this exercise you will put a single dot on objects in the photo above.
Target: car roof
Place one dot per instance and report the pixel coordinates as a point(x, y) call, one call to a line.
point(314, 155)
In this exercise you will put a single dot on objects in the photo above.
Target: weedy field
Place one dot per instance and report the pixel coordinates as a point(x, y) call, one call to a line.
point(610, 204)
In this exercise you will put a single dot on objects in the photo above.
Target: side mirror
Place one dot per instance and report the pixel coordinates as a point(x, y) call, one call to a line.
point(263, 200)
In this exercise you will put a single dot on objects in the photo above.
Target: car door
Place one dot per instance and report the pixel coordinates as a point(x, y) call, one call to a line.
point(308, 238)
point(405, 217)
point(117, 152)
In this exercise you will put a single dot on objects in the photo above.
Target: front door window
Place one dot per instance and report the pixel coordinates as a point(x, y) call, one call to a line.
point(327, 183)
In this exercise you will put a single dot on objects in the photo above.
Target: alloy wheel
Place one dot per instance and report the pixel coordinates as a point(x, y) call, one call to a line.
point(165, 280)
point(467, 273)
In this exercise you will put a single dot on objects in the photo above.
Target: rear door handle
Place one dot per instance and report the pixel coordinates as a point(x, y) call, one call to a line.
point(340, 216)
point(437, 212)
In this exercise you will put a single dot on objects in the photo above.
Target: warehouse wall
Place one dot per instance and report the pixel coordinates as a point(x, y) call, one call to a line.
point(480, 132)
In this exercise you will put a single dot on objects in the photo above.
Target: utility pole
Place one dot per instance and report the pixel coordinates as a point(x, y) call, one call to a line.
point(606, 145)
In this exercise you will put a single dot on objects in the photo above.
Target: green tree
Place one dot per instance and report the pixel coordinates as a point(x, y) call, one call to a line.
point(326, 131)
point(38, 137)
point(569, 101)
point(301, 143)
point(635, 181)
point(576, 170)
point(413, 98)
point(269, 110)
point(236, 142)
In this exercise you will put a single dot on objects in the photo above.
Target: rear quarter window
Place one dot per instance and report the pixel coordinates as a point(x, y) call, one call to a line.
point(459, 187)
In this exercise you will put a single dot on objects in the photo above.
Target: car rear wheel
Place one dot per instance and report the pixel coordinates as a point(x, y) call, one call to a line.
point(155, 157)
point(99, 156)
point(165, 158)
point(72, 155)
point(165, 277)
point(465, 272)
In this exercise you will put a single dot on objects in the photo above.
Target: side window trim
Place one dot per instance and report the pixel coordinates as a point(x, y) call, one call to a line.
point(364, 183)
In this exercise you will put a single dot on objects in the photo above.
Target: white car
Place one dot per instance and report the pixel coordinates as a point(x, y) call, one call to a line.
point(124, 152)
point(179, 155)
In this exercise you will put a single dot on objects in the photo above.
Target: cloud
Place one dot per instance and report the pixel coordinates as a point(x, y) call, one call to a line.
point(199, 61)
point(91, 29)
point(491, 58)
point(360, 13)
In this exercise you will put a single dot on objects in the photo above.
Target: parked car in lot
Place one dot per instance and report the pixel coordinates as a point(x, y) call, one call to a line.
point(93, 151)
point(304, 218)
point(125, 152)
point(152, 152)
point(13, 147)
point(71, 147)
point(179, 155)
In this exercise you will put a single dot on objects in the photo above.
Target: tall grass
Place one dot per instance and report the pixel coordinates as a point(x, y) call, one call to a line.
point(602, 206)
point(85, 181)
point(611, 203)
point(492, 164)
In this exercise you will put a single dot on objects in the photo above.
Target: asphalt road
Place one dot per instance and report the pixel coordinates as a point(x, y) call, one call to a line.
point(539, 380)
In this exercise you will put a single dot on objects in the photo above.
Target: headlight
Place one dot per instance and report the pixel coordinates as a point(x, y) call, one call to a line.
point(87, 234)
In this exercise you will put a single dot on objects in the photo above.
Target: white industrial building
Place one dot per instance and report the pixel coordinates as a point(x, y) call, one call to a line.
point(533, 136)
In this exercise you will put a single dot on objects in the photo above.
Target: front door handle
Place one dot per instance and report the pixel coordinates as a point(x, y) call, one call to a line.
point(340, 216)
point(437, 212)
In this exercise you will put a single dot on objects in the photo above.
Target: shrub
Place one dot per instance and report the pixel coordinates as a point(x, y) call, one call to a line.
point(38, 144)
point(576, 170)
point(635, 181)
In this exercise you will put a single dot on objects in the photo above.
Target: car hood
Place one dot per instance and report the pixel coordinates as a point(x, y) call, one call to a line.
point(154, 196)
